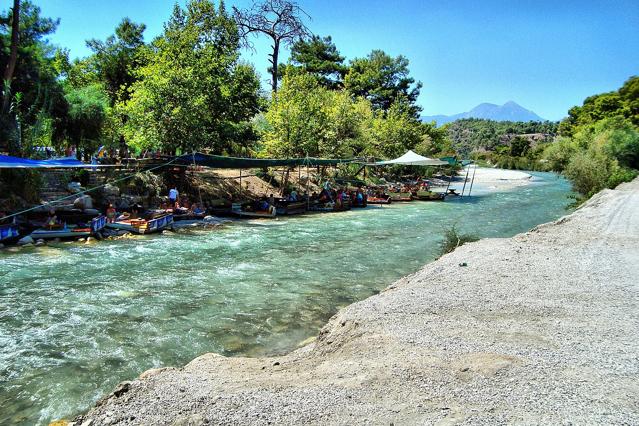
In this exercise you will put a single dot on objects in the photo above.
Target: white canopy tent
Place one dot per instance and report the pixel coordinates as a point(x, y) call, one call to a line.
point(412, 159)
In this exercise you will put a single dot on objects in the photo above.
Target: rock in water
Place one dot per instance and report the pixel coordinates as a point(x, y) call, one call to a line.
point(25, 240)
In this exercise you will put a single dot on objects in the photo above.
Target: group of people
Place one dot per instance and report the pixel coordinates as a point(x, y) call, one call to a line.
point(112, 214)
point(420, 185)
point(176, 205)
point(341, 196)
point(182, 205)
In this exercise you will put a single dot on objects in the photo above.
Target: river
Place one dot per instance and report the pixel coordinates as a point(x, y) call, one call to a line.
point(76, 319)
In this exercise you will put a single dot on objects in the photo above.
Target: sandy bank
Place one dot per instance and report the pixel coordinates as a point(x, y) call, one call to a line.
point(536, 329)
point(487, 175)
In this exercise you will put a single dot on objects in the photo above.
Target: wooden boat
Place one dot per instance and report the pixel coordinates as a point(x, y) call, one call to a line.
point(429, 196)
point(379, 200)
point(70, 231)
point(330, 207)
point(266, 214)
point(284, 207)
point(9, 233)
point(241, 210)
point(143, 226)
point(400, 196)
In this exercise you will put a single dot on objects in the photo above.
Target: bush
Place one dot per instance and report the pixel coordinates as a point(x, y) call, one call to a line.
point(589, 171)
point(453, 239)
point(557, 155)
point(619, 139)
point(621, 175)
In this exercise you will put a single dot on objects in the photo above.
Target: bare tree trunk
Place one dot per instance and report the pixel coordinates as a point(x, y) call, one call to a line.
point(13, 56)
point(274, 57)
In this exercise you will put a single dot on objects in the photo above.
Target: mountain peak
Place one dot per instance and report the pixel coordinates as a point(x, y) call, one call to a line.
point(510, 111)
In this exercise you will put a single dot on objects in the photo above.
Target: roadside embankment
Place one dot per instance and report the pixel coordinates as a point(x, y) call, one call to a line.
point(540, 328)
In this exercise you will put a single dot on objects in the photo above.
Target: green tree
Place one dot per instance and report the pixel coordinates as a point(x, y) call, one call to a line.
point(296, 118)
point(395, 131)
point(319, 56)
point(88, 113)
point(13, 55)
point(115, 63)
point(307, 119)
point(36, 96)
point(434, 142)
point(519, 146)
point(381, 79)
point(193, 93)
point(622, 103)
point(606, 154)
point(619, 139)
point(118, 57)
point(557, 154)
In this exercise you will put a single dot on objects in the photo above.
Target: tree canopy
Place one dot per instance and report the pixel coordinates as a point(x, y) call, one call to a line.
point(36, 98)
point(319, 56)
point(193, 93)
point(621, 103)
point(381, 79)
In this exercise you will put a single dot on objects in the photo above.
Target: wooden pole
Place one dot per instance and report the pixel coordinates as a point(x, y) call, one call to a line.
point(240, 185)
point(308, 195)
point(450, 178)
point(472, 180)
point(465, 180)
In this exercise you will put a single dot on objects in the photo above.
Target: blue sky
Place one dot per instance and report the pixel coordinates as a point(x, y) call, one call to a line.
point(545, 55)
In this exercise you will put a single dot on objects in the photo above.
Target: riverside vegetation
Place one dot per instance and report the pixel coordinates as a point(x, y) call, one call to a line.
point(188, 89)
point(596, 146)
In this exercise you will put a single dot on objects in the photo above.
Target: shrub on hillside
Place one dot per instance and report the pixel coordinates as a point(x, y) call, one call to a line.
point(589, 171)
point(557, 155)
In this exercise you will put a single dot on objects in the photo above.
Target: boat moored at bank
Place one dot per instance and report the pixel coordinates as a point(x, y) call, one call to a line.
point(143, 226)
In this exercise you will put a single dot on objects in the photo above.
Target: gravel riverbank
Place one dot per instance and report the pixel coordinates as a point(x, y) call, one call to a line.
point(540, 328)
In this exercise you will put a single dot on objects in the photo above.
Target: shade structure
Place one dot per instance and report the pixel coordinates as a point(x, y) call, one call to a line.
point(412, 159)
point(9, 162)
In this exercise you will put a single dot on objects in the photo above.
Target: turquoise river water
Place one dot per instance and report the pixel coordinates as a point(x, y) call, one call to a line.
point(76, 319)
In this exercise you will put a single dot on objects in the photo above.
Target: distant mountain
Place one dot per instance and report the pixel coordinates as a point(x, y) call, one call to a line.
point(510, 111)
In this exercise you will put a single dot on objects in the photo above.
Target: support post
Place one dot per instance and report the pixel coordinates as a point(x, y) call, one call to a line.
point(472, 181)
point(465, 180)
point(308, 195)
point(450, 178)
point(240, 184)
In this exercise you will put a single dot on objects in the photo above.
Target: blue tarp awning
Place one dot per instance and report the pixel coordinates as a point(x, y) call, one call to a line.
point(8, 162)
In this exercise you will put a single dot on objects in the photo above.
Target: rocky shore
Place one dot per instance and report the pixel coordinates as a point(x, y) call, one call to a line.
point(540, 328)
